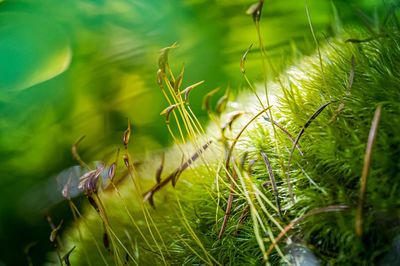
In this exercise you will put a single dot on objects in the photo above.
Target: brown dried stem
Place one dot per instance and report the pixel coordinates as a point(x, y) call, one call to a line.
point(292, 224)
point(297, 140)
point(367, 161)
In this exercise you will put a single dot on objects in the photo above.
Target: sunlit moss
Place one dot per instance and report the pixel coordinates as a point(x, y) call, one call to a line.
point(185, 225)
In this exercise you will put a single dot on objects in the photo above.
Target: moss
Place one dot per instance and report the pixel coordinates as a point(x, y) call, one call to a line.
point(188, 218)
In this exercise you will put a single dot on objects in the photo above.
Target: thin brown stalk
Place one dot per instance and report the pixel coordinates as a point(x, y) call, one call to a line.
point(229, 205)
point(292, 224)
point(297, 140)
point(367, 161)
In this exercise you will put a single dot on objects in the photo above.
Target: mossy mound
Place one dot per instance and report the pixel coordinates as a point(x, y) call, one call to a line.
point(325, 174)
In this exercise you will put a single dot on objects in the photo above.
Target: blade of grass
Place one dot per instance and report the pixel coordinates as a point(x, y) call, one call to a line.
point(320, 109)
point(367, 161)
point(229, 205)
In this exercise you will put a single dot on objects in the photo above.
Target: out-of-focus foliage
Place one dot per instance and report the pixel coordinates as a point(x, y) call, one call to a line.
point(74, 68)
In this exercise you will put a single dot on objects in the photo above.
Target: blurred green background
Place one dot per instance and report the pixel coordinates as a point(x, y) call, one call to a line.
point(82, 67)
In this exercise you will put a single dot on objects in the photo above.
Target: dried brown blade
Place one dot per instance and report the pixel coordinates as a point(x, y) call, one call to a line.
point(229, 205)
point(320, 109)
point(367, 161)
